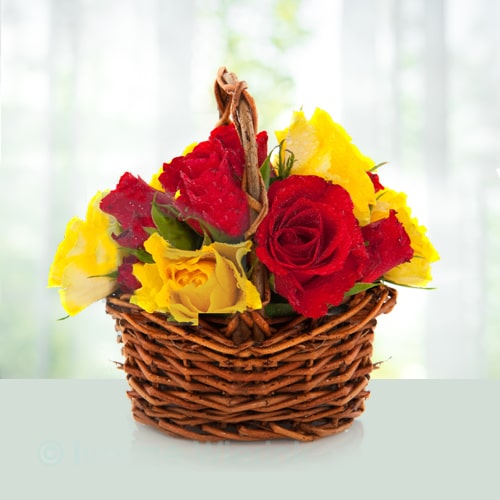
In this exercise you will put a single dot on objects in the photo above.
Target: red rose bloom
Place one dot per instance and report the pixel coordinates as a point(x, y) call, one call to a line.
point(387, 244)
point(130, 203)
point(205, 184)
point(312, 242)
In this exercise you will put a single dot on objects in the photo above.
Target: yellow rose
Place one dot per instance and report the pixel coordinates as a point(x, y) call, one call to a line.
point(84, 258)
point(185, 283)
point(323, 148)
point(417, 272)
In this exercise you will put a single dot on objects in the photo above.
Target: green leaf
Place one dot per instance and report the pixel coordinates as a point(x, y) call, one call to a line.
point(288, 165)
point(211, 234)
point(376, 167)
point(142, 255)
point(265, 170)
point(285, 164)
point(112, 274)
point(207, 240)
point(410, 286)
point(361, 287)
point(272, 282)
point(279, 309)
point(176, 232)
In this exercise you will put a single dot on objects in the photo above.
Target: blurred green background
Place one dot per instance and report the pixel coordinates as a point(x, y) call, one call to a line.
point(93, 89)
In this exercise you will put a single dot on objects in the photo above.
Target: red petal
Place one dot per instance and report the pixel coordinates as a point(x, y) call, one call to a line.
point(130, 203)
point(376, 181)
point(388, 245)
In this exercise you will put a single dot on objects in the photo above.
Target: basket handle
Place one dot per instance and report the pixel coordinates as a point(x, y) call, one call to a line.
point(236, 104)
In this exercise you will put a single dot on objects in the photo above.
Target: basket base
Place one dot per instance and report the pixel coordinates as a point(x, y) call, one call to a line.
point(251, 430)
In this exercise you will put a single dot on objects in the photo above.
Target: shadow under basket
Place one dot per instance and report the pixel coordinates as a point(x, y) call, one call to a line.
point(305, 379)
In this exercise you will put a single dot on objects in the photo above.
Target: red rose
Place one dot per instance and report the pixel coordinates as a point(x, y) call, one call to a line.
point(127, 281)
point(387, 244)
point(375, 181)
point(130, 203)
point(312, 242)
point(205, 184)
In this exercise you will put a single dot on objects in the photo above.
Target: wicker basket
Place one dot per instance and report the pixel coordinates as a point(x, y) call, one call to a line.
point(249, 377)
point(307, 380)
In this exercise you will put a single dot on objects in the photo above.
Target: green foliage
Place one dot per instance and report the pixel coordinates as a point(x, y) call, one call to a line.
point(361, 287)
point(266, 169)
point(277, 309)
point(141, 254)
point(285, 162)
point(376, 167)
point(283, 167)
point(177, 233)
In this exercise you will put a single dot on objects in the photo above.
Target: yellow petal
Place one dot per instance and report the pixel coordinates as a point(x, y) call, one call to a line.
point(417, 272)
point(155, 182)
point(79, 290)
point(322, 147)
point(187, 283)
point(153, 295)
point(85, 258)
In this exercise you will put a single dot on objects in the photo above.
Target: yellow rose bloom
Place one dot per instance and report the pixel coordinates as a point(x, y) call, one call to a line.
point(84, 258)
point(323, 148)
point(417, 272)
point(186, 283)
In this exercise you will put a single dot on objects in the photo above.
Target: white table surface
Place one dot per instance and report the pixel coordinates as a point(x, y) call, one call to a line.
point(76, 439)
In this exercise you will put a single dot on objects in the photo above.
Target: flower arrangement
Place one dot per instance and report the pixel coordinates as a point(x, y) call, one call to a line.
point(190, 242)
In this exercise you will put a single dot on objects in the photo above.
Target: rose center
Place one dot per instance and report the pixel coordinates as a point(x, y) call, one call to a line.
point(192, 273)
point(299, 239)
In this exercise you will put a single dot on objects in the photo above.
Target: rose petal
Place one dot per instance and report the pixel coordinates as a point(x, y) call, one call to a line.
point(388, 245)
point(130, 203)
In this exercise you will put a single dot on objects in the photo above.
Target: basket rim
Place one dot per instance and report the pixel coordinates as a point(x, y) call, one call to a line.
point(360, 309)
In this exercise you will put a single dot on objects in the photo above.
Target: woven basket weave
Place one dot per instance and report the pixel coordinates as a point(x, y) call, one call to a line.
point(249, 377)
